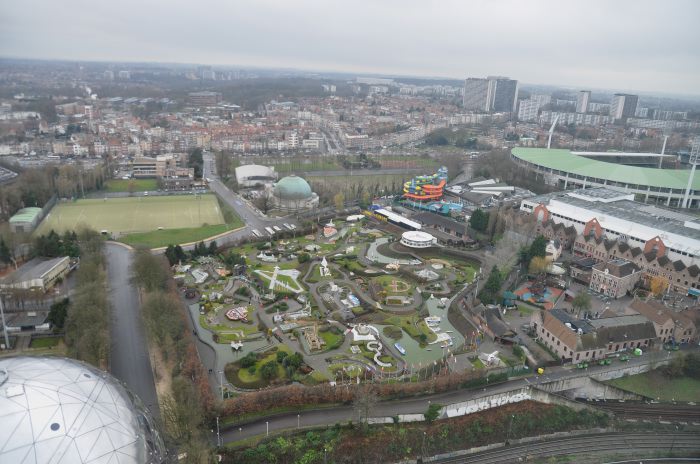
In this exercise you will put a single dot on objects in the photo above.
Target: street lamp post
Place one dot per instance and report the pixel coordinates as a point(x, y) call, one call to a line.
point(218, 435)
point(298, 420)
point(510, 425)
point(4, 326)
point(221, 384)
point(267, 428)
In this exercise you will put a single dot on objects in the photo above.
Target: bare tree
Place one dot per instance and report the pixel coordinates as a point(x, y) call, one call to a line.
point(363, 404)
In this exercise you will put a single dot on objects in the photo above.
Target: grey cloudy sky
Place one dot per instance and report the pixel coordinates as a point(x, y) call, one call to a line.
point(627, 45)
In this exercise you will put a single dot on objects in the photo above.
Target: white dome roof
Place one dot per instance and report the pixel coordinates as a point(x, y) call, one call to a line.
point(60, 410)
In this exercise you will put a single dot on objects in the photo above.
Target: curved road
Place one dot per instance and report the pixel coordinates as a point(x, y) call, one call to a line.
point(129, 360)
point(416, 405)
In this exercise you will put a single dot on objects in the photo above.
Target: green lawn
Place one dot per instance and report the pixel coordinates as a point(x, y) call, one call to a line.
point(655, 384)
point(412, 326)
point(165, 237)
point(44, 342)
point(332, 340)
point(122, 185)
point(243, 378)
point(121, 216)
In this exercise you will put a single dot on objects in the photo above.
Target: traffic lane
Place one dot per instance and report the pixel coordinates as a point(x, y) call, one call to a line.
point(288, 421)
point(330, 416)
point(418, 405)
point(129, 358)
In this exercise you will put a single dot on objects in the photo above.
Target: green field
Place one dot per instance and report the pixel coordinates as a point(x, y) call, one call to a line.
point(122, 185)
point(655, 384)
point(121, 216)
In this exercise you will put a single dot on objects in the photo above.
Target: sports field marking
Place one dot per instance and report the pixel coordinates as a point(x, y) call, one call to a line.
point(134, 214)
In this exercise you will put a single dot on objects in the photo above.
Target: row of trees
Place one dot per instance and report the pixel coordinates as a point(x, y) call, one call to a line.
point(197, 162)
point(297, 395)
point(463, 138)
point(492, 288)
point(175, 253)
point(186, 406)
point(53, 245)
point(87, 319)
point(538, 248)
point(34, 187)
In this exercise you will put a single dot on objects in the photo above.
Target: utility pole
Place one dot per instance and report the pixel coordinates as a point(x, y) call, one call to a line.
point(510, 425)
point(221, 384)
point(4, 325)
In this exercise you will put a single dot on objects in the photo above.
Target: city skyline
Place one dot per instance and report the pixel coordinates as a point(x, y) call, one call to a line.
point(612, 50)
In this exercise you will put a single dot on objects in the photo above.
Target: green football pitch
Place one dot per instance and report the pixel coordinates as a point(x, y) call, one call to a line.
point(121, 216)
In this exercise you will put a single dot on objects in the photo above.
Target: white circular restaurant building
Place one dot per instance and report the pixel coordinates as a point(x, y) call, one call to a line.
point(417, 239)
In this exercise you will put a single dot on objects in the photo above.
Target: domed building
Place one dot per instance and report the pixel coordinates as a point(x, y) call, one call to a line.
point(292, 193)
point(61, 410)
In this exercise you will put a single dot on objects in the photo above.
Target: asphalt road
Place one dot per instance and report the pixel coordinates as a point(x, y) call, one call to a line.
point(330, 416)
point(248, 214)
point(129, 361)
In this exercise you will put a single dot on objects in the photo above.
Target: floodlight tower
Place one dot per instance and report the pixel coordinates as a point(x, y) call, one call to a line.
point(693, 159)
point(551, 132)
point(663, 148)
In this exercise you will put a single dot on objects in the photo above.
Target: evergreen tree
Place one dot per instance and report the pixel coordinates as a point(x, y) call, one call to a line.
point(213, 247)
point(171, 254)
point(5, 254)
point(479, 220)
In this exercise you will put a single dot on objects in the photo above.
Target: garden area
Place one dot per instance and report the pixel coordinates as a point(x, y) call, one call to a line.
point(226, 331)
point(258, 370)
point(680, 381)
point(414, 326)
point(44, 342)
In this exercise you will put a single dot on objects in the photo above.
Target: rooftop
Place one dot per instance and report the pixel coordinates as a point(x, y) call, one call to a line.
point(63, 411)
point(567, 161)
point(617, 267)
point(25, 215)
point(33, 269)
point(674, 222)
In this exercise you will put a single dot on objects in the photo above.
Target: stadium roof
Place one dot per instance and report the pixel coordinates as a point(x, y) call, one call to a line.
point(565, 160)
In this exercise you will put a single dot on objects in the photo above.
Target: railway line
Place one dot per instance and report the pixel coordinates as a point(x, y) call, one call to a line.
point(683, 412)
point(685, 443)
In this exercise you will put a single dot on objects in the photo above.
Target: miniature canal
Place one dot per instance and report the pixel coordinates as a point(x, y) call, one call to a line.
point(416, 355)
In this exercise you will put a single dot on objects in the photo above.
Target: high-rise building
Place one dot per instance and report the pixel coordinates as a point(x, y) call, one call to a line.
point(491, 94)
point(478, 94)
point(623, 105)
point(506, 94)
point(582, 102)
point(529, 109)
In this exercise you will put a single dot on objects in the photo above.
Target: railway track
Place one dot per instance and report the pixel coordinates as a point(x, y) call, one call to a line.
point(619, 443)
point(651, 411)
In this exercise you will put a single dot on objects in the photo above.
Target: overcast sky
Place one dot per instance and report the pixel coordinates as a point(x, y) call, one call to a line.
point(634, 45)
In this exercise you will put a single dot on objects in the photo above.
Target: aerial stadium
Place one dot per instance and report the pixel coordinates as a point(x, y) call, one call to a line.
point(64, 411)
point(572, 170)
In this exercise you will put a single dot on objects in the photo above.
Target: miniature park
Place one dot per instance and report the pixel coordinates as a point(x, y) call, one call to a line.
point(353, 301)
